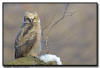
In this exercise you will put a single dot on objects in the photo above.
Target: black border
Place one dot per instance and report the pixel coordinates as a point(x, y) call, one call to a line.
point(97, 53)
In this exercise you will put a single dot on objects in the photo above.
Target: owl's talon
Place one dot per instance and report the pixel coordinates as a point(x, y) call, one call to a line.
point(34, 56)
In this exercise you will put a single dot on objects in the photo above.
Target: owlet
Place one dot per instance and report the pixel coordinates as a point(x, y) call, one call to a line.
point(28, 39)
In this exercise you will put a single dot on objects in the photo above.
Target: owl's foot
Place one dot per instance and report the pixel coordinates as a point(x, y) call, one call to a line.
point(33, 55)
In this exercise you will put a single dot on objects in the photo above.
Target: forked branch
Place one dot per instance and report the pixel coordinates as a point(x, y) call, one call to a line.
point(52, 25)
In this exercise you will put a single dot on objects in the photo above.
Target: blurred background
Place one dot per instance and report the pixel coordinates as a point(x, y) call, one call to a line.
point(73, 38)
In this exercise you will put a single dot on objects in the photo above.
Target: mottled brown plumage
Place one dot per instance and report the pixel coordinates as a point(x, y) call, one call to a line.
point(28, 40)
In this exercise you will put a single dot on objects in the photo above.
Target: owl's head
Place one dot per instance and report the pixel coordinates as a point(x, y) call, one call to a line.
point(31, 17)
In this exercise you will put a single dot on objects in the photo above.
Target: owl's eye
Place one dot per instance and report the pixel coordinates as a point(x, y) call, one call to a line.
point(27, 20)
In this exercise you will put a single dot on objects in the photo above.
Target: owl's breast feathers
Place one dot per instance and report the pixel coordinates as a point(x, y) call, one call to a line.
point(25, 39)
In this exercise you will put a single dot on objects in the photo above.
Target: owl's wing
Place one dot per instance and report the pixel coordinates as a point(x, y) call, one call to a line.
point(24, 40)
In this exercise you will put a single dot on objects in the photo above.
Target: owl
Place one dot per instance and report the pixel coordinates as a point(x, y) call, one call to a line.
point(28, 39)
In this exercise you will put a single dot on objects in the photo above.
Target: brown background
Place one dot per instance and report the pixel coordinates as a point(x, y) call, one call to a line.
point(73, 39)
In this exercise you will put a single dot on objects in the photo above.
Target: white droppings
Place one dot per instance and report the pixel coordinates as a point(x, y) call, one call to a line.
point(50, 57)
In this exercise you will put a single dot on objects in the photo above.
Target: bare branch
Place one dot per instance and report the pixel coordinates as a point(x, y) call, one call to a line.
point(52, 25)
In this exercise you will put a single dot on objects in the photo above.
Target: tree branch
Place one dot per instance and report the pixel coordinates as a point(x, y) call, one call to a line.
point(52, 25)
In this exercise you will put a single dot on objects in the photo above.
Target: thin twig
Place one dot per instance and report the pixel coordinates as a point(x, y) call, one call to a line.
point(52, 25)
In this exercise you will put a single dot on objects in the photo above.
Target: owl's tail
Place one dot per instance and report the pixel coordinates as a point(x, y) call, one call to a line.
point(17, 54)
